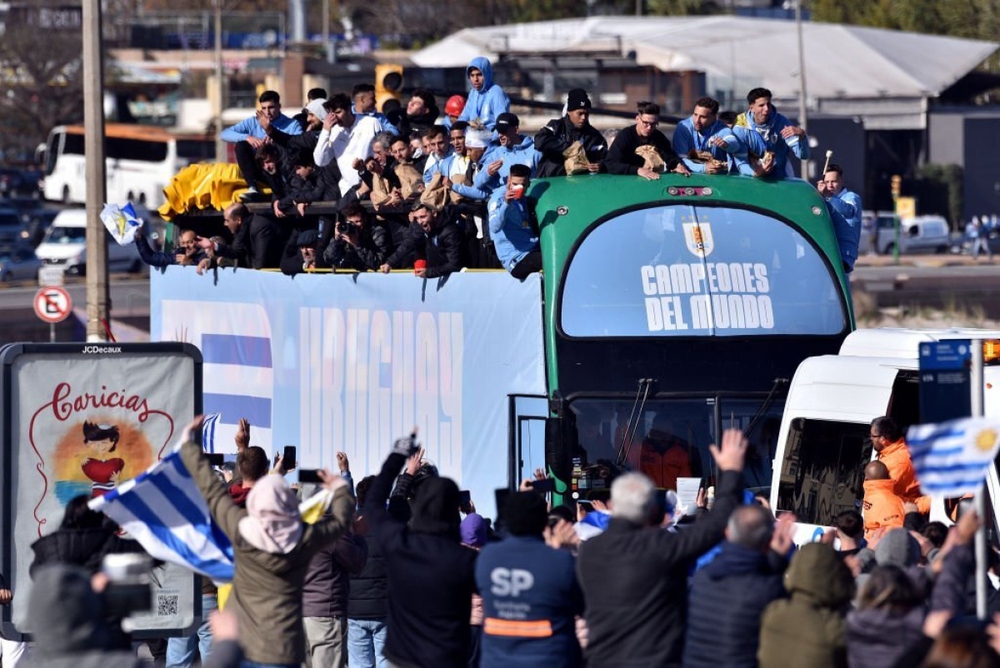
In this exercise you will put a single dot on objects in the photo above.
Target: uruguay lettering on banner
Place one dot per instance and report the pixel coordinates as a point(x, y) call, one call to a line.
point(706, 295)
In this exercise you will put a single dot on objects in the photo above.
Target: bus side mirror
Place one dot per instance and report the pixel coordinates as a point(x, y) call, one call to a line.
point(560, 439)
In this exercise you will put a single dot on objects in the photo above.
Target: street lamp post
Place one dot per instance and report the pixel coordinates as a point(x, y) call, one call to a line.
point(897, 185)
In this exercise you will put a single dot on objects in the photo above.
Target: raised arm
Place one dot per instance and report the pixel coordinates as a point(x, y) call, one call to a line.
point(225, 513)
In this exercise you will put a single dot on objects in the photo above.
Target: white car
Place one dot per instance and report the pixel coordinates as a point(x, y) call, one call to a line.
point(65, 244)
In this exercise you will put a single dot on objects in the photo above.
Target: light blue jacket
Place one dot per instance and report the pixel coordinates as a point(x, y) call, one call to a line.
point(510, 228)
point(521, 154)
point(251, 128)
point(770, 132)
point(687, 139)
point(845, 210)
point(740, 142)
point(484, 106)
point(380, 117)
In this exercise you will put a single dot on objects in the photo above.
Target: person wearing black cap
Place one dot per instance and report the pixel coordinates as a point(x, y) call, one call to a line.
point(509, 148)
point(560, 133)
point(626, 155)
point(514, 233)
point(530, 593)
point(300, 254)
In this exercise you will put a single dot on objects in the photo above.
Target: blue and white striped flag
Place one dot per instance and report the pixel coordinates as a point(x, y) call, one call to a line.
point(163, 510)
point(951, 458)
point(208, 431)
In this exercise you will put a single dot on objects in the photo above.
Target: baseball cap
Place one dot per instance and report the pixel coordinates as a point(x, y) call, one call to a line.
point(506, 121)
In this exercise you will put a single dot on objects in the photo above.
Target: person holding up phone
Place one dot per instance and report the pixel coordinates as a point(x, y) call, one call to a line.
point(512, 227)
point(634, 578)
point(272, 549)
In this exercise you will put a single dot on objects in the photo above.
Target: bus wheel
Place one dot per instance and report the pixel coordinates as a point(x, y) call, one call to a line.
point(142, 199)
point(65, 195)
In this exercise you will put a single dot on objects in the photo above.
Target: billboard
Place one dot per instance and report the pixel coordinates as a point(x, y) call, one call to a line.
point(351, 361)
point(80, 419)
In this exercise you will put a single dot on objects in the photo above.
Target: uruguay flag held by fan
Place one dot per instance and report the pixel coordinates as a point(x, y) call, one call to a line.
point(164, 511)
point(951, 458)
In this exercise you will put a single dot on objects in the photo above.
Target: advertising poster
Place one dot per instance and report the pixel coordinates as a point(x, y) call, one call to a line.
point(79, 420)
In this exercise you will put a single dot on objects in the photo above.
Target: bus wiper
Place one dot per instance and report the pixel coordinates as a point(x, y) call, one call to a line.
point(632, 426)
point(765, 406)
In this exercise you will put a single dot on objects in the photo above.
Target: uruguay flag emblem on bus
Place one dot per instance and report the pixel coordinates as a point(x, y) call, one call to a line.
point(238, 381)
point(699, 240)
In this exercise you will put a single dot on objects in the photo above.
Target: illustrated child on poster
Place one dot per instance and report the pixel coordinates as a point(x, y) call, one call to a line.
point(100, 441)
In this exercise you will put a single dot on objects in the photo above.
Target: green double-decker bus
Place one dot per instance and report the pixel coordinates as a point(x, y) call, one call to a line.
point(674, 309)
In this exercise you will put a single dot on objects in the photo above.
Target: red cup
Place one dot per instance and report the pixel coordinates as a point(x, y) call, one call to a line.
point(419, 264)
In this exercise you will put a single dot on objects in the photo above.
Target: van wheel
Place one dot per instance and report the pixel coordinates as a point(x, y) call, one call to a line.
point(889, 249)
point(941, 250)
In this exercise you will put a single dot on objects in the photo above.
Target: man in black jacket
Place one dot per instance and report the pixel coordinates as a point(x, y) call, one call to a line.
point(623, 157)
point(728, 596)
point(258, 241)
point(358, 243)
point(431, 575)
point(634, 577)
point(560, 133)
point(435, 238)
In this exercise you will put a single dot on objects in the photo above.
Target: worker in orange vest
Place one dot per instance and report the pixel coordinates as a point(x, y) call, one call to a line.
point(882, 508)
point(891, 449)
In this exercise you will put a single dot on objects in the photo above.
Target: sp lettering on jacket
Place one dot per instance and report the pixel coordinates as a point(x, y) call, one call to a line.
point(510, 581)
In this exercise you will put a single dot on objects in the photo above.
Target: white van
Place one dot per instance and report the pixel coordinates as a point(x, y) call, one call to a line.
point(65, 244)
point(823, 445)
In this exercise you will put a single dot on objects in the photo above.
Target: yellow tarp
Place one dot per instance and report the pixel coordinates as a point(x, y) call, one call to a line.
point(202, 186)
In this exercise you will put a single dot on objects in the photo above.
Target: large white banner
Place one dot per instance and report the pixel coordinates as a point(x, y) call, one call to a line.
point(350, 362)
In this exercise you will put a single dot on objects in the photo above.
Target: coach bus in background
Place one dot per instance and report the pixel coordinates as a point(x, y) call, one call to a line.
point(141, 161)
point(675, 309)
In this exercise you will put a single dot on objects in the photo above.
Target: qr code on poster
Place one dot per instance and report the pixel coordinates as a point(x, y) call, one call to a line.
point(166, 605)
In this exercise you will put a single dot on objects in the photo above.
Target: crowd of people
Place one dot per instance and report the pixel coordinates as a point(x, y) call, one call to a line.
point(441, 192)
point(402, 571)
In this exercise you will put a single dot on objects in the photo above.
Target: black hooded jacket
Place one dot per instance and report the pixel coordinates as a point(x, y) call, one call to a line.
point(79, 547)
point(431, 575)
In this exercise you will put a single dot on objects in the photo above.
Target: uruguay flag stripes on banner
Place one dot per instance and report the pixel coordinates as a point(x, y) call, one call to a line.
point(951, 458)
point(164, 511)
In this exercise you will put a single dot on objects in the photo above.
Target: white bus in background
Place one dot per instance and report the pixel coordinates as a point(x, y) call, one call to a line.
point(141, 161)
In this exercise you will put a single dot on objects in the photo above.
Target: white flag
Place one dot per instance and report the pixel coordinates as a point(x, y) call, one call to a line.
point(122, 222)
point(951, 458)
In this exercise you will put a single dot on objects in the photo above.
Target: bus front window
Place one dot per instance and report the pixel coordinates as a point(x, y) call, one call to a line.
point(668, 439)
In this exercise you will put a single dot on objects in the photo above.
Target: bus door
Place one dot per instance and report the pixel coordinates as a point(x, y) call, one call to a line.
point(526, 436)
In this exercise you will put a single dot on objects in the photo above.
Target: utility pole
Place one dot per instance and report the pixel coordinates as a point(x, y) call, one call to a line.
point(220, 84)
point(98, 296)
point(803, 119)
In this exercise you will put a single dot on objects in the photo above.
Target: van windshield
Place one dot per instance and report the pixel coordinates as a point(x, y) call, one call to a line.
point(67, 235)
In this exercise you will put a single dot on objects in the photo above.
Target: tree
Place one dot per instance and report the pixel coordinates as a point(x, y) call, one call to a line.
point(41, 74)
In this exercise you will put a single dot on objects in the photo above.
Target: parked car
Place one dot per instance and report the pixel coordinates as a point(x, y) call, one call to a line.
point(18, 263)
point(23, 182)
point(65, 244)
point(36, 224)
point(10, 227)
point(920, 234)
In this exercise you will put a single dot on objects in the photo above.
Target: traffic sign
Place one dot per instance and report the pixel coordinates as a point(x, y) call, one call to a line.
point(945, 380)
point(53, 304)
point(51, 274)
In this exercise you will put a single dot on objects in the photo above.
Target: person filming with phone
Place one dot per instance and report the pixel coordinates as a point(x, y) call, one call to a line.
point(512, 227)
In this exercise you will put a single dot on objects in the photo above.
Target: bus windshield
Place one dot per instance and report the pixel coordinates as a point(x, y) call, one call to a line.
point(679, 430)
point(681, 270)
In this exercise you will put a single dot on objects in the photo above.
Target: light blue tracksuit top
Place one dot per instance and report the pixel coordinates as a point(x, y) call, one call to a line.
point(484, 106)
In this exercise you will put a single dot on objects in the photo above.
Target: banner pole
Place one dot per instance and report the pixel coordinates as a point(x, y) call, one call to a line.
point(976, 382)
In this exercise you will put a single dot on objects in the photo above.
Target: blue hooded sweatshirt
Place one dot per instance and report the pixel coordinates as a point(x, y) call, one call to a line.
point(845, 210)
point(740, 142)
point(687, 139)
point(483, 106)
point(521, 154)
point(510, 228)
point(770, 132)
